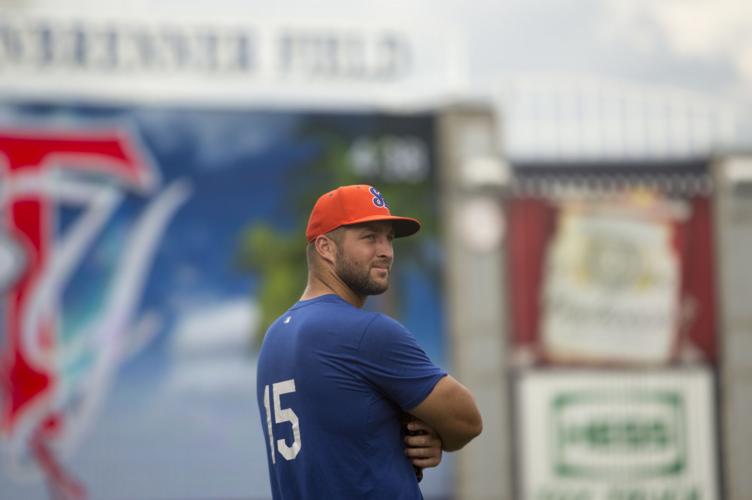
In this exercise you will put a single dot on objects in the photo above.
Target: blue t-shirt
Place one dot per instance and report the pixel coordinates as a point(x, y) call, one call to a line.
point(332, 383)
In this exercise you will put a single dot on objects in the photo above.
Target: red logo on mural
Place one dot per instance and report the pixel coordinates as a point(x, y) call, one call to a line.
point(30, 162)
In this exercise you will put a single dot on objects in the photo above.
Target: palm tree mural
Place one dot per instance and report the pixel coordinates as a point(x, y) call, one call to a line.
point(277, 256)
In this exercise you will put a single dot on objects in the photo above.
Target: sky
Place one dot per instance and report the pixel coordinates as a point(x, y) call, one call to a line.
point(696, 45)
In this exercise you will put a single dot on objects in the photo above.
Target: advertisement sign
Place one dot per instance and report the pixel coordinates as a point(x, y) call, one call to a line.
point(612, 265)
point(614, 435)
point(612, 281)
point(143, 253)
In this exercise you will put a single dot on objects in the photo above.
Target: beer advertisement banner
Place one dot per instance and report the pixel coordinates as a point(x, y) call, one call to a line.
point(612, 266)
point(143, 252)
point(616, 435)
point(611, 290)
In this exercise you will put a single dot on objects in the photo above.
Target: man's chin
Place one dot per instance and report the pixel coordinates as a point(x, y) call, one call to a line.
point(378, 287)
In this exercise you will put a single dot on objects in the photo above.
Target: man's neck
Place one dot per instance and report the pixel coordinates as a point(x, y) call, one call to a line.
point(330, 284)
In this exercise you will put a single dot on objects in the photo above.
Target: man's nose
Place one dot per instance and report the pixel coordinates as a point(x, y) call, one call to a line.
point(385, 247)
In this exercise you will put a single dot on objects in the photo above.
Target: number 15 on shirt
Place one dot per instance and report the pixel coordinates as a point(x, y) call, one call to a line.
point(282, 415)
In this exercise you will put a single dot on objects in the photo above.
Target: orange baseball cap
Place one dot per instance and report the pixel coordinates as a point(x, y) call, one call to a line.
point(348, 205)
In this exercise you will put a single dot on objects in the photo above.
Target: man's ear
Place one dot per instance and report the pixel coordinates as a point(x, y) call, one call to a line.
point(326, 248)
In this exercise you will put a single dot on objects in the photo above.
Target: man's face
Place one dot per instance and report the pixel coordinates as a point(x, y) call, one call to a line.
point(365, 256)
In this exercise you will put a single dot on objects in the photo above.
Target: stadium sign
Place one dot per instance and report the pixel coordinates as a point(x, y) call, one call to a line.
point(148, 55)
point(641, 433)
point(591, 435)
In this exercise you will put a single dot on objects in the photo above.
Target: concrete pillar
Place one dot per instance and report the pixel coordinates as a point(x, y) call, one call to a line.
point(472, 182)
point(733, 217)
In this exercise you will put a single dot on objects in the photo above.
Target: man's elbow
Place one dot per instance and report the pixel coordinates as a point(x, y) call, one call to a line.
point(470, 430)
point(477, 428)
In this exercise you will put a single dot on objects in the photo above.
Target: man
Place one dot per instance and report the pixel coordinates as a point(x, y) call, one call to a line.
point(334, 381)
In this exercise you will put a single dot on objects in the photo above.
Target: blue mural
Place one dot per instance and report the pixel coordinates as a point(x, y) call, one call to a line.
point(143, 252)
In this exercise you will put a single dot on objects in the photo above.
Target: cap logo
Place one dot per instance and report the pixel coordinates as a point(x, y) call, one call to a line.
point(378, 198)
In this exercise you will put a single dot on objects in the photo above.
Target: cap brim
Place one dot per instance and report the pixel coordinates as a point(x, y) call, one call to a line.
point(403, 226)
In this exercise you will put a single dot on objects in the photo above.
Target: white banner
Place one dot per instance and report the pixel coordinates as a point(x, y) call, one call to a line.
point(611, 286)
point(222, 55)
point(605, 435)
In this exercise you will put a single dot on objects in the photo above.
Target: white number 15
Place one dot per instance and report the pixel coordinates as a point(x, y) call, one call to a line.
point(282, 415)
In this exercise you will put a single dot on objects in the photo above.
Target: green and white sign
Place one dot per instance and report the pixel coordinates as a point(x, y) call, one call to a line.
point(616, 435)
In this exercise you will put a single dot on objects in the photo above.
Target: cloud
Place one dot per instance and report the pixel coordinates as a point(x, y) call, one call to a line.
point(704, 28)
point(636, 41)
point(218, 327)
point(704, 31)
point(210, 349)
